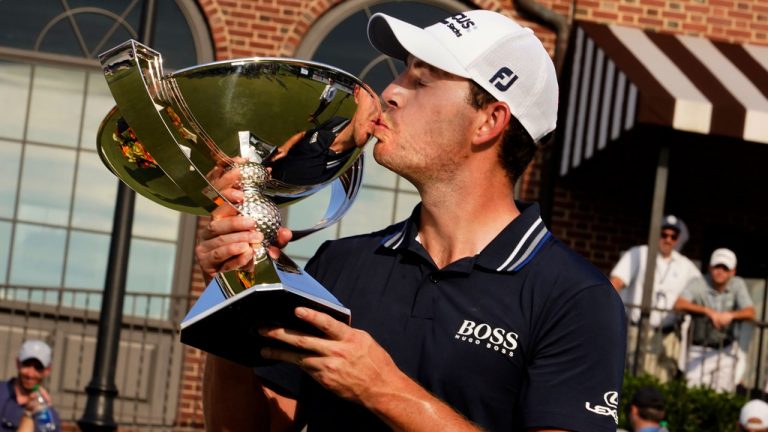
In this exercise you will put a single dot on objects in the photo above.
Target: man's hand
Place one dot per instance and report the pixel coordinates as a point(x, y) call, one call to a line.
point(228, 241)
point(347, 361)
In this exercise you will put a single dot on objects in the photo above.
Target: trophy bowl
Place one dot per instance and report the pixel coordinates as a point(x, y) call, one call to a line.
point(292, 127)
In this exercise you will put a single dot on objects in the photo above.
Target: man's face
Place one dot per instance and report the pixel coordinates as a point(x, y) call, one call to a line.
point(667, 241)
point(720, 274)
point(426, 125)
point(31, 373)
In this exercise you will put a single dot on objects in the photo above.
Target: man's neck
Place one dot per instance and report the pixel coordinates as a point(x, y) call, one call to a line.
point(456, 224)
point(22, 394)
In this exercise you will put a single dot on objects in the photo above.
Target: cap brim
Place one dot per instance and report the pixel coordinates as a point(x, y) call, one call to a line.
point(397, 39)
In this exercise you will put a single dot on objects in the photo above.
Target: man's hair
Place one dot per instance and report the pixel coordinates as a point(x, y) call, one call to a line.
point(653, 414)
point(517, 148)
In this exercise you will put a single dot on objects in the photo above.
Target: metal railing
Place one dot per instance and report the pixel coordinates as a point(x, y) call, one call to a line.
point(727, 359)
point(151, 361)
point(159, 380)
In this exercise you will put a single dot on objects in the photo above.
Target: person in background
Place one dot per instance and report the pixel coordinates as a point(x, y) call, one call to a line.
point(16, 407)
point(672, 274)
point(647, 410)
point(754, 416)
point(715, 301)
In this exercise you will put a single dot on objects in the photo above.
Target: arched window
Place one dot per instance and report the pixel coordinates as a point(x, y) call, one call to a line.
point(339, 39)
point(56, 197)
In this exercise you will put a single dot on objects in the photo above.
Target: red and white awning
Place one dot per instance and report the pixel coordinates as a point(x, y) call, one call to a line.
point(624, 76)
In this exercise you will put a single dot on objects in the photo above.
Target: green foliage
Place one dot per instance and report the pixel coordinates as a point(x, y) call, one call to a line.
point(688, 409)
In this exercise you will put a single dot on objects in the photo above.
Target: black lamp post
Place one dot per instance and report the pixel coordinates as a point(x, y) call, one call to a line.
point(102, 391)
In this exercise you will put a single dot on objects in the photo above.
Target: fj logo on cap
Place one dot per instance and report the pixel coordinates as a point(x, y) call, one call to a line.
point(458, 22)
point(503, 78)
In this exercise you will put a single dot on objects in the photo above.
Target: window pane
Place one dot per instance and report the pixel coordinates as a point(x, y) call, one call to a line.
point(10, 155)
point(87, 260)
point(46, 185)
point(375, 174)
point(153, 220)
point(95, 194)
point(57, 97)
point(38, 255)
point(405, 204)
point(5, 245)
point(303, 215)
point(98, 103)
point(14, 86)
point(371, 211)
point(150, 267)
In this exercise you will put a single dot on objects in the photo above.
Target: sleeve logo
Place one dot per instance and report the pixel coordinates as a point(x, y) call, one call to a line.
point(611, 399)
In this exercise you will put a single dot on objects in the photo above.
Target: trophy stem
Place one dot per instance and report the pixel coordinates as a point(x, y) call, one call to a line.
point(261, 209)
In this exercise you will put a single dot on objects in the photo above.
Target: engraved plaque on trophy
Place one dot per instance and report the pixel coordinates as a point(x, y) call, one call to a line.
point(291, 127)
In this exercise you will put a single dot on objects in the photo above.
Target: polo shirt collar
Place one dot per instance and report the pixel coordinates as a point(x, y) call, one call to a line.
point(510, 250)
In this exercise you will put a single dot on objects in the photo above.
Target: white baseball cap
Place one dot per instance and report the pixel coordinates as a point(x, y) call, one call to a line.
point(724, 257)
point(35, 349)
point(754, 415)
point(501, 56)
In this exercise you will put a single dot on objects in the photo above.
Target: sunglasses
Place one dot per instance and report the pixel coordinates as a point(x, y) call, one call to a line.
point(669, 235)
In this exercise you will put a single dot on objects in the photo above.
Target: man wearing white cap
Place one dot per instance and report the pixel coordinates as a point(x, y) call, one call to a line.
point(716, 300)
point(33, 364)
point(469, 315)
point(672, 273)
point(754, 416)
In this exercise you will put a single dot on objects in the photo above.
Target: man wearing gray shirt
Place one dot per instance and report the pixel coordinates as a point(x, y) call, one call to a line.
point(716, 301)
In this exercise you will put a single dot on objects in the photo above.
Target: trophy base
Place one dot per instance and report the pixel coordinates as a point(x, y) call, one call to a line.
point(227, 326)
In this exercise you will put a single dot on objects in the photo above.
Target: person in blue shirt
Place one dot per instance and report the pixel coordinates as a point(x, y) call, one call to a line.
point(468, 315)
point(33, 365)
point(647, 410)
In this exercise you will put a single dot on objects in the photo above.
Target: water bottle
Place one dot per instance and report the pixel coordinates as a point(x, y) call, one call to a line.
point(43, 416)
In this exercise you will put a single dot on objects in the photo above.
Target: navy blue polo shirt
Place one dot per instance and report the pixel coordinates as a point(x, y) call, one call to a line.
point(524, 334)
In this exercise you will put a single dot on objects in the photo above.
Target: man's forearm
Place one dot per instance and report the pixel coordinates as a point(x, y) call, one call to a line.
point(748, 313)
point(406, 406)
point(234, 400)
point(683, 305)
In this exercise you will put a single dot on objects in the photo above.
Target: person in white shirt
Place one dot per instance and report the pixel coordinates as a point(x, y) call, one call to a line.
point(672, 274)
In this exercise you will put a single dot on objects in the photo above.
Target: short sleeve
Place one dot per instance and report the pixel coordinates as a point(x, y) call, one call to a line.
point(692, 291)
point(622, 269)
point(743, 299)
point(576, 368)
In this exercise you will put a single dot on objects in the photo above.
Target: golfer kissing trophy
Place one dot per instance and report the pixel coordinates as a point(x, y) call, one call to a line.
point(291, 127)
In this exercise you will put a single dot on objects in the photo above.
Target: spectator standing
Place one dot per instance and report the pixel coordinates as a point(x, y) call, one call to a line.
point(716, 301)
point(33, 365)
point(672, 274)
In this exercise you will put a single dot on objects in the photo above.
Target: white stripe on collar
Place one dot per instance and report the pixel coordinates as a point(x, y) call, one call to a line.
point(520, 244)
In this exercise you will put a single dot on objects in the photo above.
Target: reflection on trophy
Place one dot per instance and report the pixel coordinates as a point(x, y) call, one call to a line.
point(172, 136)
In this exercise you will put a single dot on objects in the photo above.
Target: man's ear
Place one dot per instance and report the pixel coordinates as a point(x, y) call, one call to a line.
point(492, 122)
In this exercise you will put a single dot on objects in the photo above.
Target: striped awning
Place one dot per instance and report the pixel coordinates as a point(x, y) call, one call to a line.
point(624, 76)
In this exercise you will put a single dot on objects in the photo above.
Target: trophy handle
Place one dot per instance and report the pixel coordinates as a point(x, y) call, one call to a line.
point(133, 72)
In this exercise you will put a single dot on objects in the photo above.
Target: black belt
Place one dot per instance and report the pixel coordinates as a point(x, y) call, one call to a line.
point(717, 345)
point(667, 329)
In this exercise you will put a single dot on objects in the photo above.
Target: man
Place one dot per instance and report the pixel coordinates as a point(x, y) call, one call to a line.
point(717, 300)
point(673, 271)
point(754, 416)
point(33, 365)
point(647, 410)
point(467, 315)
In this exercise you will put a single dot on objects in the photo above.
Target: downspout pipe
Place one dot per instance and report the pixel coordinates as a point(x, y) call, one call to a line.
point(530, 9)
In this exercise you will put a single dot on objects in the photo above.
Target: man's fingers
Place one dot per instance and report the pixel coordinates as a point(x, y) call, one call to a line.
point(330, 326)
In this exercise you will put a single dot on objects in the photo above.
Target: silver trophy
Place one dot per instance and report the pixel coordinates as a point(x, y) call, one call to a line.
point(291, 127)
